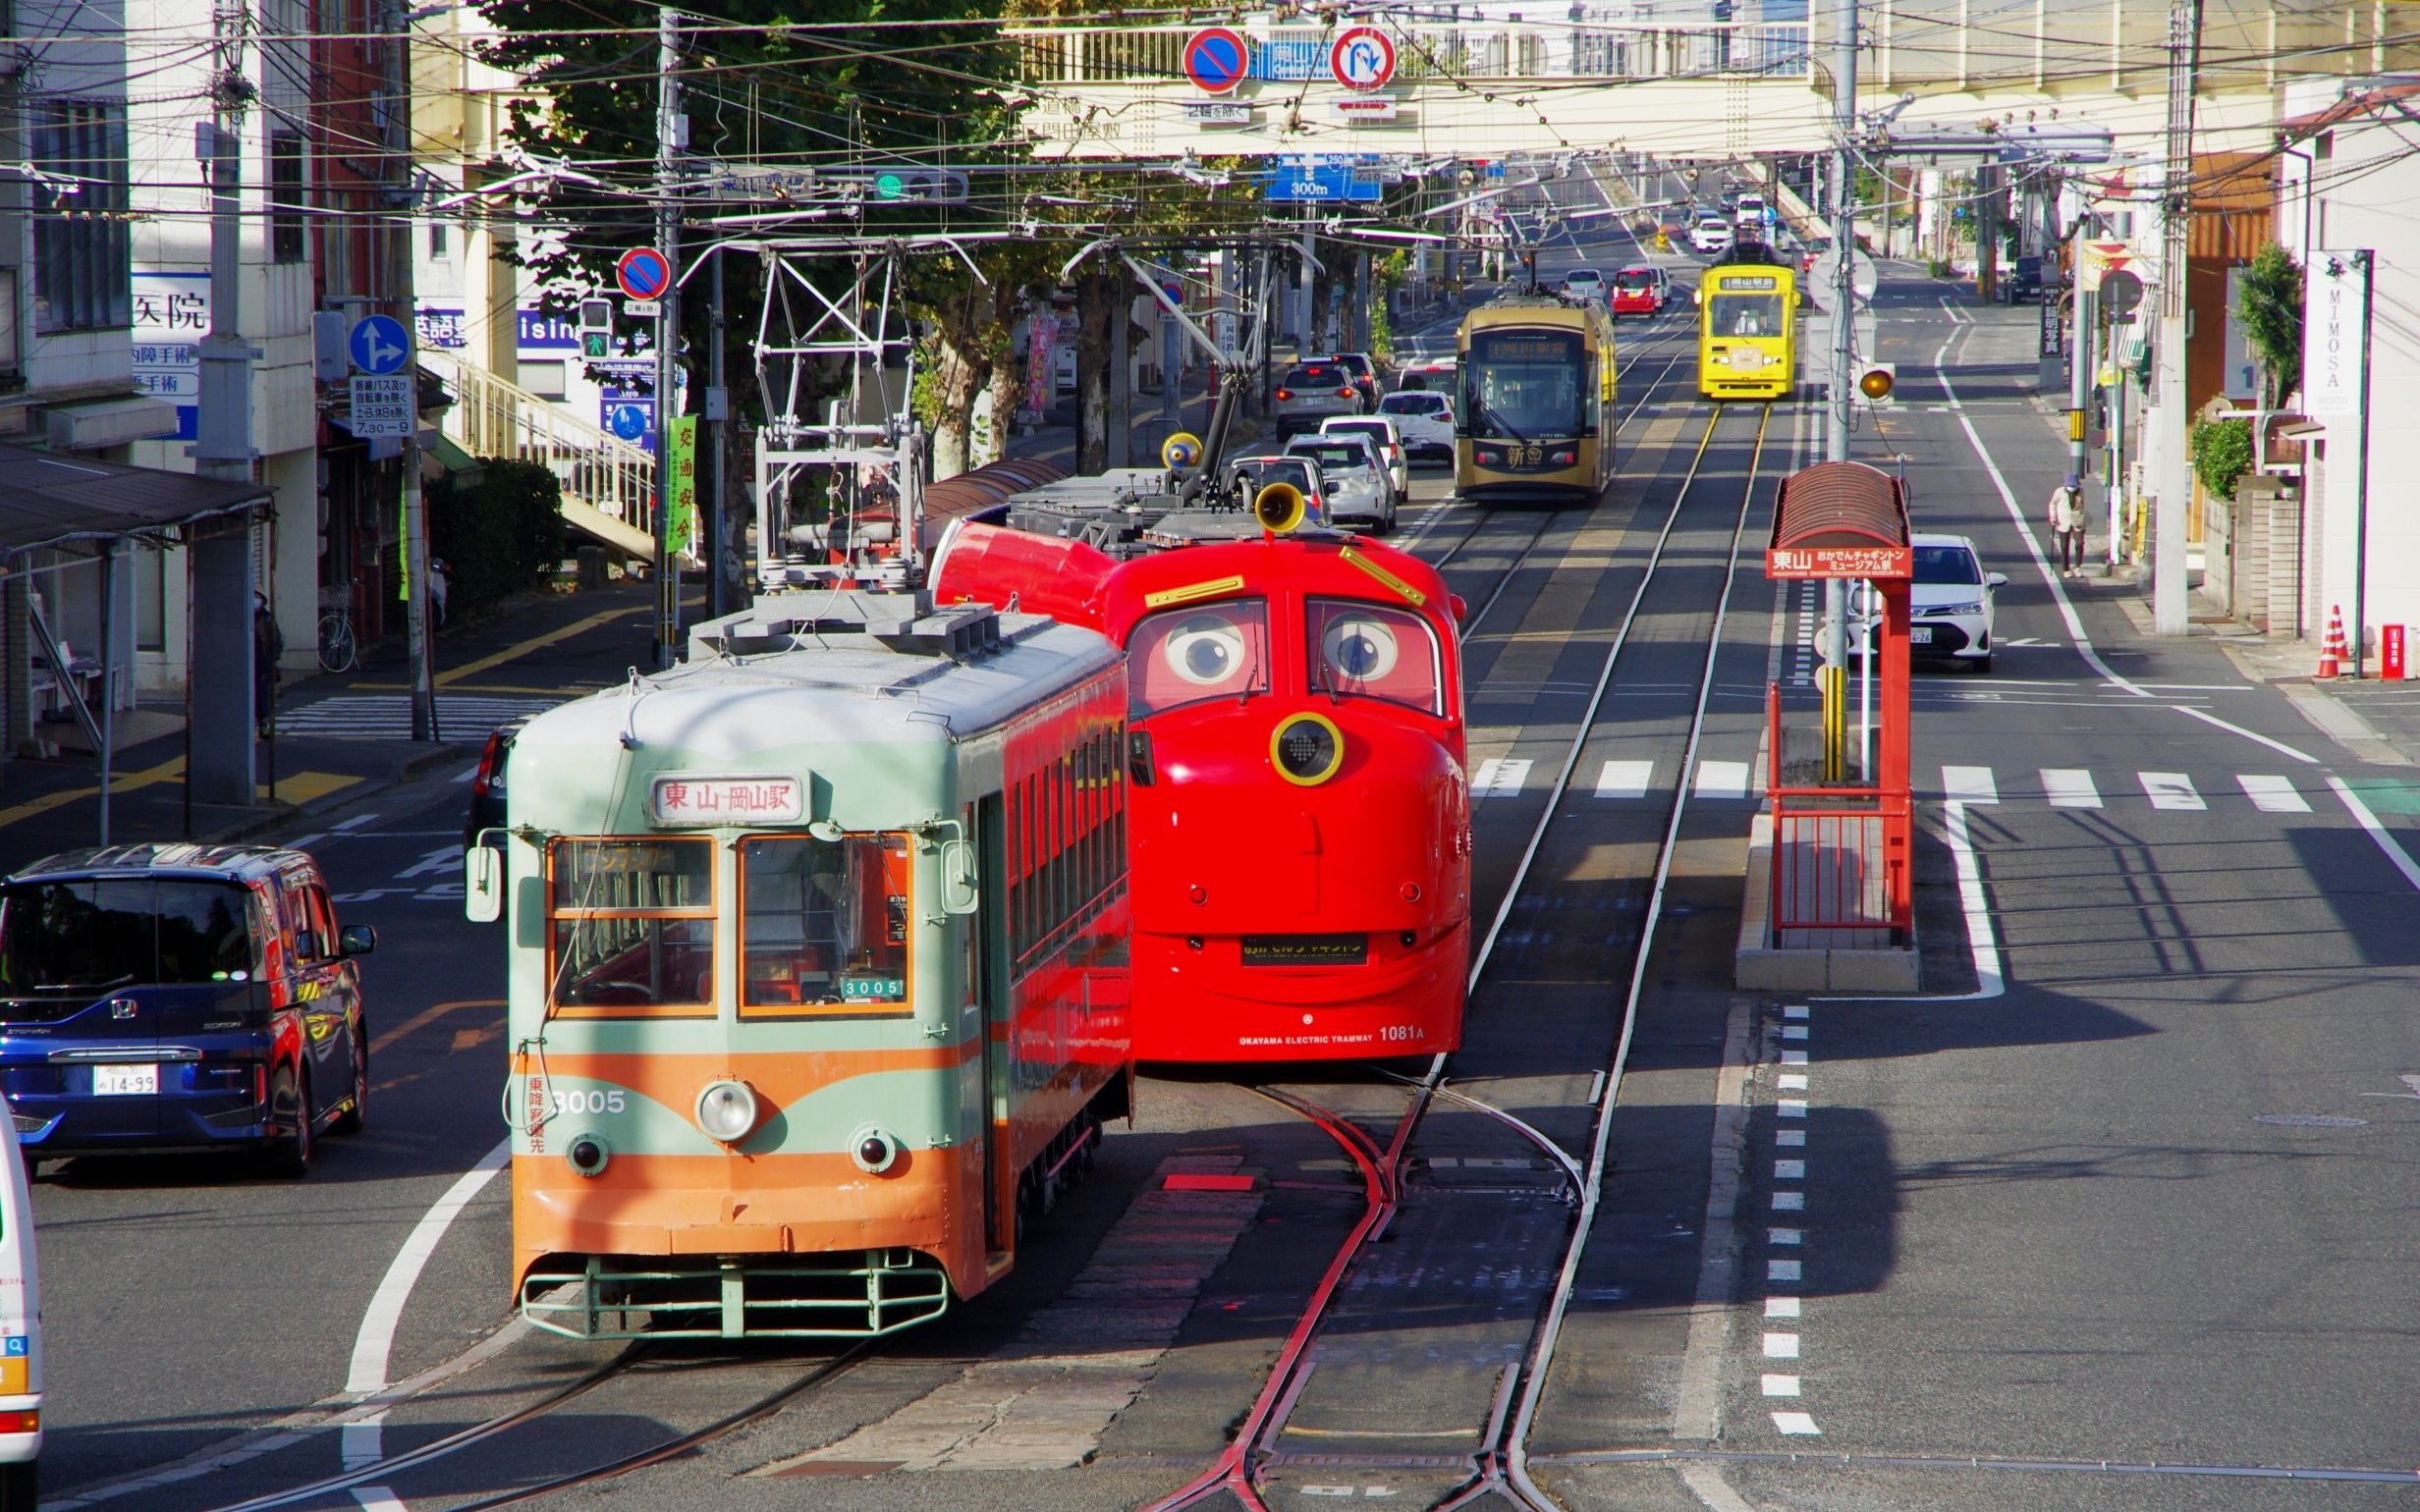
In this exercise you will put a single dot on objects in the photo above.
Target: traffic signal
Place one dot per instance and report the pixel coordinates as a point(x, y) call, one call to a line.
point(903, 185)
point(1874, 382)
point(596, 328)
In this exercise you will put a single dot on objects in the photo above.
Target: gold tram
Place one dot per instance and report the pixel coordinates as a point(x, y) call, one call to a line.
point(1537, 406)
point(1747, 329)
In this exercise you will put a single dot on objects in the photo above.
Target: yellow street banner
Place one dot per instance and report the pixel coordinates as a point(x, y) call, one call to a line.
point(680, 456)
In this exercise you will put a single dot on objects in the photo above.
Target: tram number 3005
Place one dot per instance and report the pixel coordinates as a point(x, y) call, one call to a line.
point(566, 1103)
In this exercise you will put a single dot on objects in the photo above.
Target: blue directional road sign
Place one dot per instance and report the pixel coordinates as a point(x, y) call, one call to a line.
point(1325, 178)
point(628, 414)
point(379, 345)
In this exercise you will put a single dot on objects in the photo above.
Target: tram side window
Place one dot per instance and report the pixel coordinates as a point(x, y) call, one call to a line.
point(1068, 817)
point(823, 923)
point(632, 923)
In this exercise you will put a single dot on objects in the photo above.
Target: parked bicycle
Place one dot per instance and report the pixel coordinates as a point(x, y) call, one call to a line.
point(337, 650)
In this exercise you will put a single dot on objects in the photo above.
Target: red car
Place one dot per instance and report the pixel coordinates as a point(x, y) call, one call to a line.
point(1640, 290)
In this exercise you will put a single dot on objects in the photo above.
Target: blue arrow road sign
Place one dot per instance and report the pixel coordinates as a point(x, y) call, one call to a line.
point(379, 345)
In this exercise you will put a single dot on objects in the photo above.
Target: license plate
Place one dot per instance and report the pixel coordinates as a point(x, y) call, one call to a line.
point(1306, 949)
point(119, 1081)
point(1920, 635)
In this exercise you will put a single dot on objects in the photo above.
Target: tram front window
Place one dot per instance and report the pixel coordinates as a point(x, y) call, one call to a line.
point(1747, 314)
point(1526, 385)
point(632, 923)
point(824, 924)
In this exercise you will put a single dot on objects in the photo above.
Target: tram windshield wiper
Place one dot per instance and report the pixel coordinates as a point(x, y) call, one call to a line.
point(1502, 426)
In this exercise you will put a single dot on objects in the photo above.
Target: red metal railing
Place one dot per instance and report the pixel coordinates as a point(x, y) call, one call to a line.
point(1841, 855)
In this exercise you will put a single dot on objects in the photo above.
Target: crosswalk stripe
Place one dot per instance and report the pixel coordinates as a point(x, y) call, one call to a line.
point(1500, 777)
point(1722, 779)
point(1969, 784)
point(2274, 794)
point(1625, 778)
point(2171, 789)
point(2071, 787)
point(388, 715)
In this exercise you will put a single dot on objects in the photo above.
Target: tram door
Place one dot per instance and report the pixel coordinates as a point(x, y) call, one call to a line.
point(989, 981)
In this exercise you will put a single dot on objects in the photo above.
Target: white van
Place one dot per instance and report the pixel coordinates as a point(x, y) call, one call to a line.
point(1749, 217)
point(21, 1331)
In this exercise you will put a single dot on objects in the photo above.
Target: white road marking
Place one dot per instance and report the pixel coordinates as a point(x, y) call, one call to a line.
point(357, 821)
point(1798, 1423)
point(2171, 789)
point(1779, 1385)
point(1789, 1201)
point(1722, 779)
point(1793, 1058)
point(374, 1343)
point(378, 1499)
point(1794, 1011)
point(1782, 1307)
point(1625, 778)
point(1794, 1031)
point(2069, 787)
point(1969, 784)
point(2274, 794)
point(1500, 777)
point(466, 773)
point(2395, 854)
point(1784, 1235)
point(1793, 1081)
point(1790, 1108)
point(1790, 1170)
point(1780, 1347)
point(1783, 1270)
point(1790, 1137)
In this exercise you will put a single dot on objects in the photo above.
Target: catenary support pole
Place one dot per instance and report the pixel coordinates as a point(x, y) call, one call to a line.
point(219, 716)
point(420, 641)
point(668, 132)
point(1843, 295)
point(2175, 485)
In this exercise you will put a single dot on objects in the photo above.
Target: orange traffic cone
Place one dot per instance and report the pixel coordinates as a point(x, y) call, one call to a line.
point(2333, 648)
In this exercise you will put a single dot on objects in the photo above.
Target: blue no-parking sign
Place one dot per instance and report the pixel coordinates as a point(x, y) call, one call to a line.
point(643, 273)
point(379, 345)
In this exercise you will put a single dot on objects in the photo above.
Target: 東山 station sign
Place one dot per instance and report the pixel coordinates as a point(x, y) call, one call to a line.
point(1216, 59)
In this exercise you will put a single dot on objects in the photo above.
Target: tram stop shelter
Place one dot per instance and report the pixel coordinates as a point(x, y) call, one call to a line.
point(1830, 886)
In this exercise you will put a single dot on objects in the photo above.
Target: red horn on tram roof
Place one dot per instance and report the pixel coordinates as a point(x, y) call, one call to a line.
point(1038, 574)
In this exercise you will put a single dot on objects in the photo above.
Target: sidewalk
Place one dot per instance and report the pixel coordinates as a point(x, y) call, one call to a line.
point(2376, 720)
point(339, 738)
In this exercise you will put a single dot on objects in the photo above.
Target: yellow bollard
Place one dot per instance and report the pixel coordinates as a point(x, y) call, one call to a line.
point(1834, 683)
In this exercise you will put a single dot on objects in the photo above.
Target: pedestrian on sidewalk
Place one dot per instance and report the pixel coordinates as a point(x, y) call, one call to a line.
point(2067, 524)
point(268, 645)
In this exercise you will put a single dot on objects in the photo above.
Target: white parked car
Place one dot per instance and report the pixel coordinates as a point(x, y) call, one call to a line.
point(1713, 234)
point(1425, 420)
point(1584, 284)
point(1390, 443)
point(1949, 602)
point(1354, 481)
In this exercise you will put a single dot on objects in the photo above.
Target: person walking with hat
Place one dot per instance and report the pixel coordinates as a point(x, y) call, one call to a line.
point(2067, 524)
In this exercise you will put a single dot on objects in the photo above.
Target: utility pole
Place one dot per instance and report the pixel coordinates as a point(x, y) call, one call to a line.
point(1844, 296)
point(2175, 482)
point(399, 229)
point(219, 681)
point(718, 427)
point(669, 139)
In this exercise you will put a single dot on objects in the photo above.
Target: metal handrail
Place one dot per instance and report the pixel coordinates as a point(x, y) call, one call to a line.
point(493, 417)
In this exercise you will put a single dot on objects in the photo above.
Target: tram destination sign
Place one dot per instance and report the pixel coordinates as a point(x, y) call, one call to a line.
point(728, 800)
point(1879, 561)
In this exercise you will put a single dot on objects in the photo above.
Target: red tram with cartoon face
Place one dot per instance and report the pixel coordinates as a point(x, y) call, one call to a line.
point(1300, 816)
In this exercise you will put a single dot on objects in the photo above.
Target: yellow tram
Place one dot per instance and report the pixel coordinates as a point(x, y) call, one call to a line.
point(1537, 404)
point(1748, 328)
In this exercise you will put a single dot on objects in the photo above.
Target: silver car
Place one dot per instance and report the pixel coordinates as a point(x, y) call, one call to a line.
point(1354, 483)
point(1310, 392)
point(1384, 435)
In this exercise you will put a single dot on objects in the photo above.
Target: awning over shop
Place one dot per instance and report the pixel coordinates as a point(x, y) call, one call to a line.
point(49, 499)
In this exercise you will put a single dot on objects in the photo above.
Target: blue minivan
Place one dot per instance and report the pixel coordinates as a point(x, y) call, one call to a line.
point(179, 997)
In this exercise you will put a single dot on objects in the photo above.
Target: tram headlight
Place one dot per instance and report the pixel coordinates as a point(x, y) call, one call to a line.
point(587, 1155)
point(874, 1148)
point(726, 1110)
point(1306, 749)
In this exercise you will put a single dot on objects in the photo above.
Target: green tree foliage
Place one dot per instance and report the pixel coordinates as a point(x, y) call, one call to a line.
point(498, 533)
point(2222, 452)
point(2269, 304)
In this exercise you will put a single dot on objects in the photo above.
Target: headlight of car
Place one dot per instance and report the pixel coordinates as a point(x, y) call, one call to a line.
point(1974, 608)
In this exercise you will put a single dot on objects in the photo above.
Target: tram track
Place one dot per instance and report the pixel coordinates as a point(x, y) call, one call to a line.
point(1497, 1467)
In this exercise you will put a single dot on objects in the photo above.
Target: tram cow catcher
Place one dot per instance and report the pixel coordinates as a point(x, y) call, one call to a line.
point(1831, 897)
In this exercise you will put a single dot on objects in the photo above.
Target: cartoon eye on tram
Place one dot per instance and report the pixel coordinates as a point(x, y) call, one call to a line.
point(817, 968)
point(1538, 404)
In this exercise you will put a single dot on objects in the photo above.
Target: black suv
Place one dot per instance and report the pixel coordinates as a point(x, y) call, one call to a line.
point(2021, 279)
